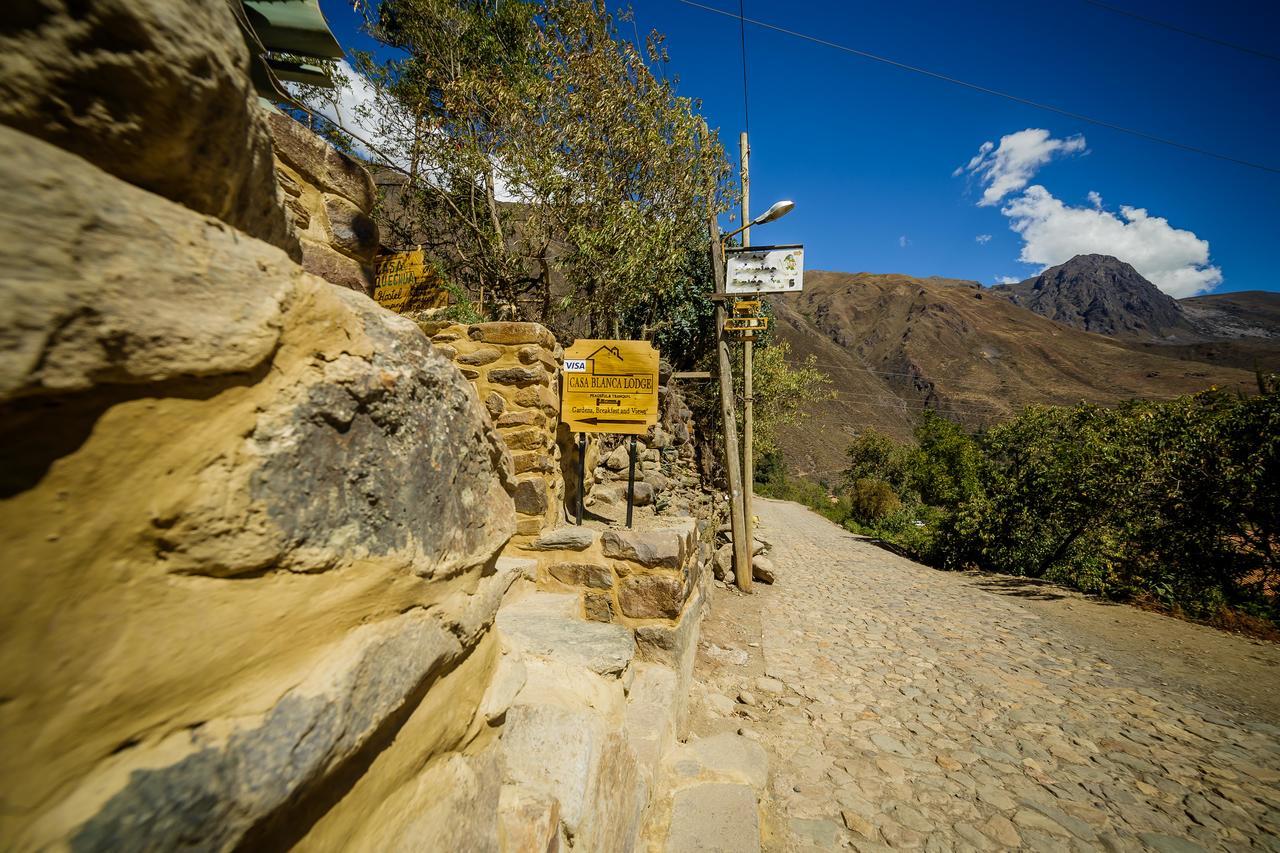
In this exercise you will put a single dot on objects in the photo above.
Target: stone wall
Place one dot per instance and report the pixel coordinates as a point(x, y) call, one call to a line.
point(330, 200)
point(515, 368)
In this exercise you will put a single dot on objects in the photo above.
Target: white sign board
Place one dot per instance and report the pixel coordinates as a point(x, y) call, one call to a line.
point(765, 269)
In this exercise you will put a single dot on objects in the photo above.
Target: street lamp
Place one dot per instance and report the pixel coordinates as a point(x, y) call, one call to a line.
point(777, 211)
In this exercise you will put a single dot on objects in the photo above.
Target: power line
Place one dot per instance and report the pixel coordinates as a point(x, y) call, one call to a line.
point(742, 35)
point(1150, 137)
point(1192, 33)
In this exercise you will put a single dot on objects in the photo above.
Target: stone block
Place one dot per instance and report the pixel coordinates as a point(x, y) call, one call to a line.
point(539, 397)
point(530, 495)
point(320, 163)
point(732, 756)
point(598, 606)
point(495, 404)
point(336, 268)
point(582, 574)
point(714, 816)
point(352, 231)
point(538, 626)
point(532, 461)
point(655, 549)
point(511, 333)
point(529, 525)
point(651, 596)
point(519, 376)
point(528, 417)
point(526, 439)
point(528, 822)
point(480, 357)
point(567, 538)
point(762, 569)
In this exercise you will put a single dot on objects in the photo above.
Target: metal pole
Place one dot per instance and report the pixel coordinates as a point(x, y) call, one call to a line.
point(631, 481)
point(748, 462)
point(582, 471)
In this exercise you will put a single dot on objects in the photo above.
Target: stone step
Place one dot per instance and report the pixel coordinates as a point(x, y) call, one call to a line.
point(547, 625)
point(715, 816)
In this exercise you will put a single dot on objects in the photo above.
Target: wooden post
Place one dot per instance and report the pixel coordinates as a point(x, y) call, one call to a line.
point(748, 401)
point(741, 547)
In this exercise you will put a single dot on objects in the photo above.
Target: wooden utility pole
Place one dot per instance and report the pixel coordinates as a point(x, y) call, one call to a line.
point(742, 546)
point(748, 462)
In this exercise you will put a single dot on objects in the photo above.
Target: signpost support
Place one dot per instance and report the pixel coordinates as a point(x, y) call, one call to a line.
point(631, 481)
point(741, 548)
point(748, 462)
point(582, 471)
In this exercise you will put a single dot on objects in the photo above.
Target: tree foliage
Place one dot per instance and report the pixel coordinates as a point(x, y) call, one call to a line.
point(545, 162)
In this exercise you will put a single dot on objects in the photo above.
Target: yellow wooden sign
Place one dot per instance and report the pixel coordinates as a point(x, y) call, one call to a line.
point(610, 386)
point(396, 276)
point(745, 324)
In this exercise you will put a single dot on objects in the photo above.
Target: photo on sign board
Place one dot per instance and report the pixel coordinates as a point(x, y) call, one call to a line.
point(764, 269)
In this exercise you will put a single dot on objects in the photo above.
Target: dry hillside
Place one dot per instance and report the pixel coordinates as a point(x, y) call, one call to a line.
point(895, 345)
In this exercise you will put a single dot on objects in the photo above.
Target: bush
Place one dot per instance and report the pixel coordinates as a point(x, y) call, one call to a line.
point(1177, 501)
point(871, 500)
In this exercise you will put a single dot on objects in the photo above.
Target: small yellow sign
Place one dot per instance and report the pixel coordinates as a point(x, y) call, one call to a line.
point(396, 276)
point(745, 324)
point(610, 386)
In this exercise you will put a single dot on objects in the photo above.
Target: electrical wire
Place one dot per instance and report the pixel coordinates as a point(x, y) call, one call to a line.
point(1141, 134)
point(1192, 33)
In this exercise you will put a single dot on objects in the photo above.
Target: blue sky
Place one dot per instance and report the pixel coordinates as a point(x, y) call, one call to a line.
point(869, 152)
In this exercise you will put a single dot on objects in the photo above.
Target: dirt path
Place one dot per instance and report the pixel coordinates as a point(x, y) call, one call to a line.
point(905, 707)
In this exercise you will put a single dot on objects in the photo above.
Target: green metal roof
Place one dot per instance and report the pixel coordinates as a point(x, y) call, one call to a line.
point(293, 26)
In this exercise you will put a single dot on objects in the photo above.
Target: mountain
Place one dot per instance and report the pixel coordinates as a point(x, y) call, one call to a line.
point(1245, 315)
point(895, 345)
point(1102, 294)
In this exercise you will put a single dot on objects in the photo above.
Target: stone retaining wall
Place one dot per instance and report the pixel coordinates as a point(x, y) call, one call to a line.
point(515, 368)
point(330, 199)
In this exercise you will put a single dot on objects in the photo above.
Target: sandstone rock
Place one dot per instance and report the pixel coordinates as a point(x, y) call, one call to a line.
point(538, 626)
point(525, 418)
point(619, 459)
point(530, 496)
point(480, 357)
point(509, 333)
point(568, 538)
point(539, 397)
point(157, 93)
point(714, 816)
point(762, 569)
point(582, 574)
point(320, 163)
point(727, 755)
point(508, 678)
point(519, 376)
point(597, 606)
point(532, 461)
point(352, 231)
point(336, 268)
point(530, 823)
point(267, 475)
point(723, 561)
point(651, 596)
point(651, 548)
point(495, 404)
point(526, 439)
point(641, 494)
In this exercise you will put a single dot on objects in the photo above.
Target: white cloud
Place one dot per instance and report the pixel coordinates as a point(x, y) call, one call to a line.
point(1095, 199)
point(983, 239)
point(1007, 279)
point(903, 242)
point(1174, 260)
point(1011, 166)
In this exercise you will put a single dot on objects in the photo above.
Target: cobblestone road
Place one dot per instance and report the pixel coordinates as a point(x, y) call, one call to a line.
point(905, 708)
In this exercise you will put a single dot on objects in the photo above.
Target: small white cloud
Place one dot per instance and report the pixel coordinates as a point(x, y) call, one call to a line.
point(982, 239)
point(1007, 279)
point(1173, 259)
point(1095, 199)
point(903, 242)
point(1011, 166)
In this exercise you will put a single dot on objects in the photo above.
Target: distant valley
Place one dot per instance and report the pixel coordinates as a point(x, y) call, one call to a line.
point(1091, 329)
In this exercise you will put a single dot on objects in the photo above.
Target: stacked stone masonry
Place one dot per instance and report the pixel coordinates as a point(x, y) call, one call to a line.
point(515, 370)
point(330, 199)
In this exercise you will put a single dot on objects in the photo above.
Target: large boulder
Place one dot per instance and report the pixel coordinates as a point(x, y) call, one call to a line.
point(156, 92)
point(249, 522)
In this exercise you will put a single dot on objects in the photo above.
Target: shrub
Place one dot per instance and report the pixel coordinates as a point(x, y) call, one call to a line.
point(871, 500)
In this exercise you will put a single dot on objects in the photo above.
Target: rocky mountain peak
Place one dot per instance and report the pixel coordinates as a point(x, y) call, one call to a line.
point(1102, 294)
